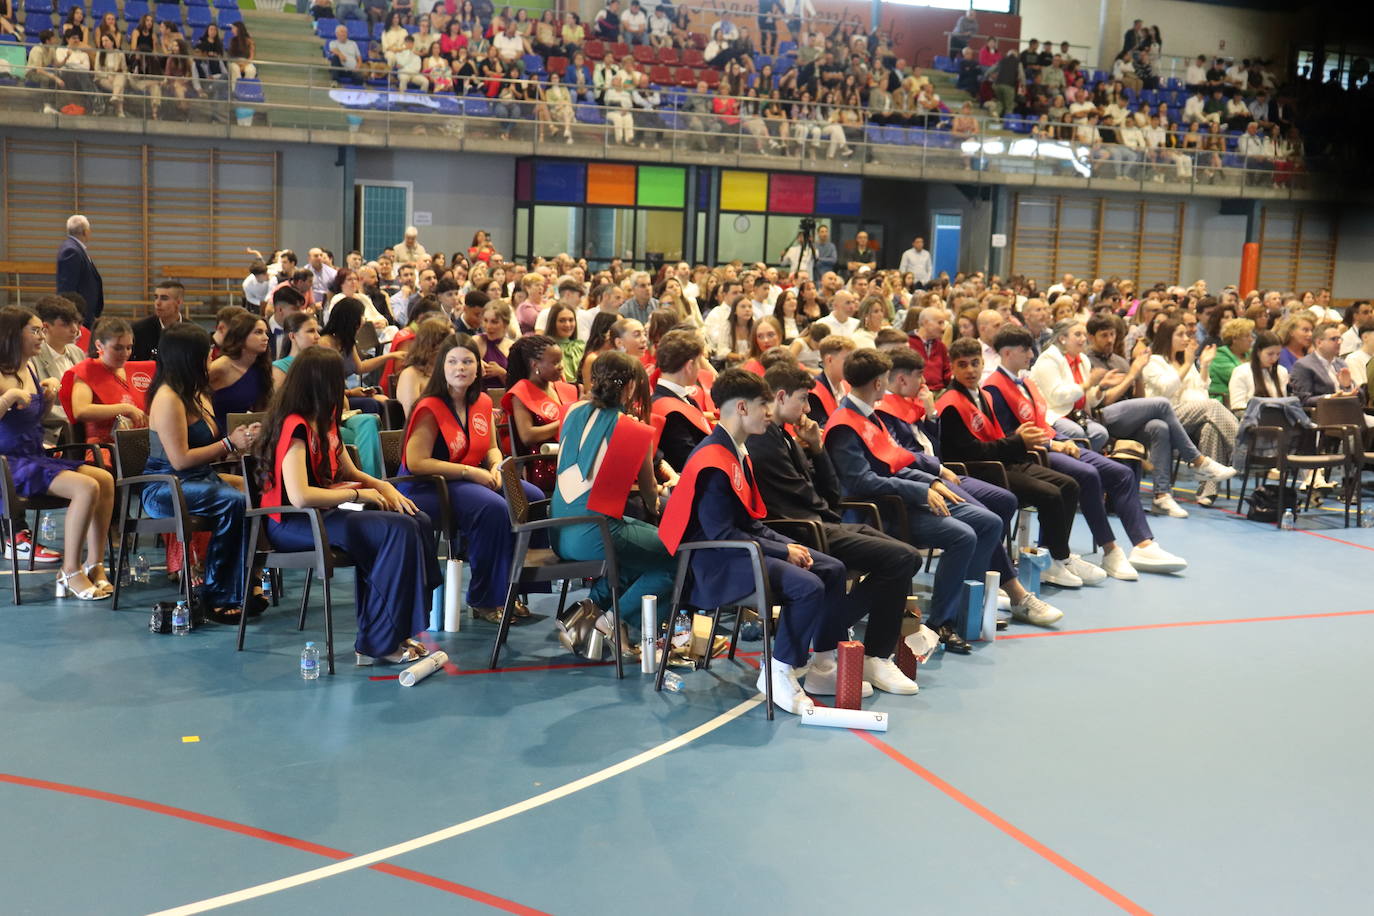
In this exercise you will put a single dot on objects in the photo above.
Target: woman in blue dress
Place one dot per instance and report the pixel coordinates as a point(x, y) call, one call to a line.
point(302, 463)
point(241, 377)
point(89, 490)
point(187, 441)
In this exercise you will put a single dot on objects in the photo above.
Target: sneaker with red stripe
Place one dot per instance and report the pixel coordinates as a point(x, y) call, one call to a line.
point(23, 546)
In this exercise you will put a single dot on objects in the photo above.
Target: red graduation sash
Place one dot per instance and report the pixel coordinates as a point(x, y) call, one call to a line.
point(539, 402)
point(983, 427)
point(753, 366)
point(703, 395)
point(903, 409)
point(668, 405)
point(630, 441)
point(1027, 408)
point(324, 462)
point(679, 510)
point(108, 388)
point(874, 436)
point(401, 341)
point(827, 397)
point(469, 447)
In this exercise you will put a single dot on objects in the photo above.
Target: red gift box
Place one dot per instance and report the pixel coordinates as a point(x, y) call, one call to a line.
point(849, 679)
point(907, 661)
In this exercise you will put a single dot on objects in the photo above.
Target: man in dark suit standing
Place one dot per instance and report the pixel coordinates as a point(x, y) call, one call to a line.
point(167, 297)
point(76, 271)
point(1322, 372)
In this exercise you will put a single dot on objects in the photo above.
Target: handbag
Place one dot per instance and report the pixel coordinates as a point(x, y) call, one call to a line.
point(1267, 501)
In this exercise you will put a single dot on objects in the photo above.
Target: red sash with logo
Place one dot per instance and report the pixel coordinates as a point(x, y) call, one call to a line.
point(468, 447)
point(983, 427)
point(827, 397)
point(753, 366)
point(679, 510)
point(108, 388)
point(874, 436)
point(324, 462)
point(630, 441)
point(539, 402)
point(703, 395)
point(401, 341)
point(668, 405)
point(903, 409)
point(1027, 408)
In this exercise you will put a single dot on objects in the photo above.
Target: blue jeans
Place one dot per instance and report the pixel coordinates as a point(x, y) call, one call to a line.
point(224, 506)
point(1150, 420)
point(969, 536)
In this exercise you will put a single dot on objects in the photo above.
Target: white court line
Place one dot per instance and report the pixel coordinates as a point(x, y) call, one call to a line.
point(448, 833)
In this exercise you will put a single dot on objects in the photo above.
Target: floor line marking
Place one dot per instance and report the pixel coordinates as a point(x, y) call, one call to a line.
point(281, 839)
point(1184, 623)
point(476, 823)
point(1020, 836)
point(1327, 537)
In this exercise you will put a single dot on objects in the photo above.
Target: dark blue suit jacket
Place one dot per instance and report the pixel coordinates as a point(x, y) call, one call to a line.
point(720, 577)
point(1308, 381)
point(863, 477)
point(76, 272)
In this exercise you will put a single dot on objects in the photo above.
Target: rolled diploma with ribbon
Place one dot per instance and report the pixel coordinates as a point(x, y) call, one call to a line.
point(423, 668)
point(866, 719)
point(648, 627)
point(453, 596)
point(991, 582)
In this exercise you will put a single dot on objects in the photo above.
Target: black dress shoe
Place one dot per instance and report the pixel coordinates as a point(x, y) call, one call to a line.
point(953, 642)
point(1002, 623)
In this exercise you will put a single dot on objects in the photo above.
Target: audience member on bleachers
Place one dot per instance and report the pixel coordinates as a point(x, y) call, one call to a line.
point(1295, 332)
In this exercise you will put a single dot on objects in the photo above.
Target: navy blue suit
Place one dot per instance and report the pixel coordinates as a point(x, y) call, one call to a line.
point(722, 577)
point(76, 272)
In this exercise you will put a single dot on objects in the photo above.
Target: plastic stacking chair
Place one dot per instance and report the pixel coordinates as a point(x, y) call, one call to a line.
point(131, 447)
point(758, 598)
point(1348, 413)
point(14, 509)
point(1293, 451)
point(393, 452)
point(539, 565)
point(320, 559)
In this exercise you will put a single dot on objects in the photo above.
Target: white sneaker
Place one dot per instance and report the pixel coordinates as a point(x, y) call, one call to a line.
point(1090, 573)
point(48, 109)
point(787, 693)
point(884, 674)
point(1033, 610)
point(1156, 559)
point(1165, 505)
point(821, 673)
point(1115, 564)
point(1060, 575)
point(1211, 469)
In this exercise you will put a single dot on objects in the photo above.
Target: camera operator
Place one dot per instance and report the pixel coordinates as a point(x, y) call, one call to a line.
point(800, 258)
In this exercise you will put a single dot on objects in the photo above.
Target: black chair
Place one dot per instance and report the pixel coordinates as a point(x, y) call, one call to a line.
point(320, 559)
point(393, 452)
point(15, 508)
point(1291, 451)
point(131, 447)
point(758, 598)
point(1348, 413)
point(538, 565)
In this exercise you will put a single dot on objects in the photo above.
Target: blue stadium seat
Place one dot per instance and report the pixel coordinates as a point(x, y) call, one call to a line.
point(916, 136)
point(65, 6)
point(359, 30)
point(198, 17)
point(168, 12)
point(1232, 138)
point(534, 64)
point(1099, 76)
point(589, 114)
point(893, 135)
point(135, 10)
point(873, 133)
point(1232, 161)
point(1175, 84)
point(1175, 114)
point(325, 28)
point(761, 61)
point(227, 17)
point(191, 3)
point(787, 49)
point(1151, 97)
point(38, 6)
point(246, 90)
point(100, 7)
point(945, 64)
point(476, 107)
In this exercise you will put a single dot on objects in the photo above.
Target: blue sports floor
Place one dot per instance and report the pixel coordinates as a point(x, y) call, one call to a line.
point(1188, 744)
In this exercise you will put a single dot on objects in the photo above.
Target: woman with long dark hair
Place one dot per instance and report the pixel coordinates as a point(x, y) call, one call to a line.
point(561, 327)
point(340, 333)
point(1262, 376)
point(431, 337)
point(241, 377)
point(606, 432)
point(187, 441)
point(599, 340)
point(23, 402)
point(302, 463)
point(451, 435)
point(536, 401)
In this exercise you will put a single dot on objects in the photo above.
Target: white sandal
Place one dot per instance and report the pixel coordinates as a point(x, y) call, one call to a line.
point(66, 590)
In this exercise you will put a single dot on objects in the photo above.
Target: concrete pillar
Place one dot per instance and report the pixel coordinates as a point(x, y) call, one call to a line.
point(1112, 22)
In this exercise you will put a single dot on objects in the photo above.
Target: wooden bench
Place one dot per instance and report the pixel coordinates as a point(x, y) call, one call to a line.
point(17, 270)
point(227, 291)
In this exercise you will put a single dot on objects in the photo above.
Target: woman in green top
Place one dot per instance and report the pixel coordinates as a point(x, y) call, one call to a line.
point(561, 325)
point(619, 387)
point(1237, 336)
point(361, 430)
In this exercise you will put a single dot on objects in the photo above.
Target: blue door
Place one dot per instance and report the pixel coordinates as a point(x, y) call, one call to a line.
point(944, 247)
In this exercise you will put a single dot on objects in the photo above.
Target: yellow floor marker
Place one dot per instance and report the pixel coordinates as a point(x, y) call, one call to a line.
point(190, 739)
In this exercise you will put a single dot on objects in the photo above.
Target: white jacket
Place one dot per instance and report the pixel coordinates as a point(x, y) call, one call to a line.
point(1054, 378)
point(1242, 386)
point(1162, 381)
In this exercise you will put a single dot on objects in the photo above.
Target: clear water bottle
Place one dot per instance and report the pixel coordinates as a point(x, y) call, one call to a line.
point(682, 630)
point(143, 570)
point(310, 662)
point(47, 530)
point(672, 682)
point(266, 582)
point(1367, 517)
point(1290, 521)
point(181, 618)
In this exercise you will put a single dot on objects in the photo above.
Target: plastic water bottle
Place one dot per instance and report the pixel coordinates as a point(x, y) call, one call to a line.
point(310, 662)
point(1290, 521)
point(682, 630)
point(181, 618)
point(142, 569)
point(266, 582)
point(47, 531)
point(1367, 517)
point(672, 682)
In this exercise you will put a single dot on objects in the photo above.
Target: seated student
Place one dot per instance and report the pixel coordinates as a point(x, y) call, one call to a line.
point(969, 431)
point(288, 302)
point(23, 402)
point(222, 319)
point(425, 307)
point(940, 511)
point(717, 499)
point(422, 347)
point(560, 323)
point(537, 401)
point(494, 344)
point(599, 340)
point(1081, 370)
point(61, 326)
point(108, 390)
point(677, 408)
point(187, 441)
point(605, 448)
point(241, 378)
point(340, 333)
point(451, 435)
point(360, 430)
point(302, 463)
point(797, 481)
point(830, 384)
point(1017, 400)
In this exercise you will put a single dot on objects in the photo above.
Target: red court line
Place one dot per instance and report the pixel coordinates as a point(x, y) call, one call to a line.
point(281, 839)
point(1327, 537)
point(1010, 830)
point(1185, 623)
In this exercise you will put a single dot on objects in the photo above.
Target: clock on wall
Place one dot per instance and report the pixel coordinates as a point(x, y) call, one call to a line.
point(742, 223)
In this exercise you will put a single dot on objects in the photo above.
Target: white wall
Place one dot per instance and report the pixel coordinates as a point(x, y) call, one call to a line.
point(1211, 245)
point(1354, 277)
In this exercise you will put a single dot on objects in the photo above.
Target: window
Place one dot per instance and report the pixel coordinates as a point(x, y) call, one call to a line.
point(982, 6)
point(555, 229)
